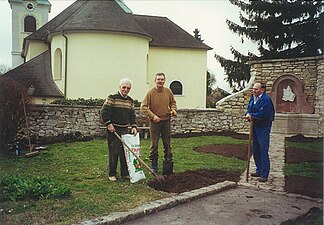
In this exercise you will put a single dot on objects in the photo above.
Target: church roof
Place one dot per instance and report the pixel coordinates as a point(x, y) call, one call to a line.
point(36, 73)
point(166, 33)
point(90, 15)
point(108, 15)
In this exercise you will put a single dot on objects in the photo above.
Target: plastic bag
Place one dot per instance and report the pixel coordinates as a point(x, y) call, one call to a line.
point(135, 169)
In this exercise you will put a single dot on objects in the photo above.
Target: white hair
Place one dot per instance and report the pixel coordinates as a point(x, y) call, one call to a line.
point(125, 81)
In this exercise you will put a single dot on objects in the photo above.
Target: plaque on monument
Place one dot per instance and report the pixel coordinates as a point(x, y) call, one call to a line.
point(288, 94)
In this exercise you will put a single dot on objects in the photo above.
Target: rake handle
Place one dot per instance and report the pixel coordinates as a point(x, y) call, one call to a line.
point(27, 126)
point(136, 156)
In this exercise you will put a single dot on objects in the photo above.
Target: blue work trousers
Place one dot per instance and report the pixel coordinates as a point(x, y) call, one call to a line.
point(260, 147)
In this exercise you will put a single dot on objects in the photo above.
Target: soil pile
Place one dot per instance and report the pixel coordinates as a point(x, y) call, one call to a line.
point(190, 180)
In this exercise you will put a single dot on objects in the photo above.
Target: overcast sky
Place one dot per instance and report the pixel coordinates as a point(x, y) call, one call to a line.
point(209, 16)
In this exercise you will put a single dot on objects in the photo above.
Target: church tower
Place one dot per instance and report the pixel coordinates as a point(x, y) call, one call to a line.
point(27, 17)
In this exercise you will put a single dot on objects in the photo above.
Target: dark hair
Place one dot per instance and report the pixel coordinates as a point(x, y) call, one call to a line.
point(159, 74)
point(263, 85)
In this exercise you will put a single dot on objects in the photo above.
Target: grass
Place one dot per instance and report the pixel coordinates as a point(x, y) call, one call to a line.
point(316, 146)
point(306, 169)
point(82, 166)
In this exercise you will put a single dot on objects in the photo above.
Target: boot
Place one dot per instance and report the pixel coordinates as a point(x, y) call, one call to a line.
point(167, 167)
point(155, 165)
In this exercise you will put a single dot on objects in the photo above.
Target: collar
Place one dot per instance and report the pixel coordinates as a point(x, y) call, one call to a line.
point(122, 95)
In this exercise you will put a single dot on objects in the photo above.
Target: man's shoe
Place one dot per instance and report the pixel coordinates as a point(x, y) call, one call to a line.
point(263, 179)
point(125, 177)
point(113, 178)
point(255, 175)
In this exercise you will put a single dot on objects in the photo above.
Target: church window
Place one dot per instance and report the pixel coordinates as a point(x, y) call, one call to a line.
point(29, 24)
point(58, 64)
point(176, 87)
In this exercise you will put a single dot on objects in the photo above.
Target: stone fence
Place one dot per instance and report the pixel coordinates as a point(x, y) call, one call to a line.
point(55, 120)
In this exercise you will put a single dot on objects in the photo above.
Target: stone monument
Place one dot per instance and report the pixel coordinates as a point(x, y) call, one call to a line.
point(294, 115)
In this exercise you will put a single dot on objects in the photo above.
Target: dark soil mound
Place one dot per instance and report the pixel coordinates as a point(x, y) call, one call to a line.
point(304, 185)
point(302, 138)
point(232, 134)
point(228, 150)
point(312, 217)
point(295, 155)
point(190, 180)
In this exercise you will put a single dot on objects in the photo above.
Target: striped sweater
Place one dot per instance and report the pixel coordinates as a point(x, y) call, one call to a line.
point(118, 110)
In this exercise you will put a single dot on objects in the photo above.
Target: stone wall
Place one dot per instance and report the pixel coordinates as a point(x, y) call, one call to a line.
point(56, 120)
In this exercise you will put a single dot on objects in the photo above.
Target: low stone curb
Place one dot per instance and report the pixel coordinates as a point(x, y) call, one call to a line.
point(159, 205)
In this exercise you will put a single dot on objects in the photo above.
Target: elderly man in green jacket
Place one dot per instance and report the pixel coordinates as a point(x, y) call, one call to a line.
point(117, 114)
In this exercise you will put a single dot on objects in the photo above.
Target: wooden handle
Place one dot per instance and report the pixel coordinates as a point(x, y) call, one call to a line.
point(249, 152)
point(27, 126)
point(136, 156)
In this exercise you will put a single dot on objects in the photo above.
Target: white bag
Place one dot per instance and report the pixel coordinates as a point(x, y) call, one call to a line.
point(135, 169)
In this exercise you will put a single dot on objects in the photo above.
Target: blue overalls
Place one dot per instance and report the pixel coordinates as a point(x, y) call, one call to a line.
point(262, 112)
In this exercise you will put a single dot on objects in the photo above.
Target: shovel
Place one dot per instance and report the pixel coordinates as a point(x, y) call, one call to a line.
point(249, 152)
point(168, 163)
point(136, 156)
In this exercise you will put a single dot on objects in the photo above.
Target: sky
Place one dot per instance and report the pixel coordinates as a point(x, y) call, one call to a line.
point(208, 16)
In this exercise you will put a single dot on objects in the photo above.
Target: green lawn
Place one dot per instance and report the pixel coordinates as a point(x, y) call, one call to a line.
point(306, 169)
point(82, 166)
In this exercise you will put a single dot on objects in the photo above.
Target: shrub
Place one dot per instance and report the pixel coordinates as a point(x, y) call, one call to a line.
point(79, 101)
point(15, 188)
point(86, 102)
point(13, 97)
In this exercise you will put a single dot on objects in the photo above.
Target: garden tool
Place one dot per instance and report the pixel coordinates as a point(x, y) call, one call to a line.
point(168, 163)
point(249, 151)
point(31, 152)
point(138, 158)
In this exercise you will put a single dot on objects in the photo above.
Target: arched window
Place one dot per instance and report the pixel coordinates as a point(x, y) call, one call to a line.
point(176, 88)
point(29, 24)
point(58, 64)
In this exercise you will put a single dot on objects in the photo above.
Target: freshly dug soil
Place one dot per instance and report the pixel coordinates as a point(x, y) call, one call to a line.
point(190, 180)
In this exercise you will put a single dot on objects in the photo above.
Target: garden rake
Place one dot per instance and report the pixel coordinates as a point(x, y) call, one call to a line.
point(31, 152)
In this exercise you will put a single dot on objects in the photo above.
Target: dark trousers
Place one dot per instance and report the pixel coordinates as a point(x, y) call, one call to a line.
point(156, 130)
point(115, 151)
point(260, 148)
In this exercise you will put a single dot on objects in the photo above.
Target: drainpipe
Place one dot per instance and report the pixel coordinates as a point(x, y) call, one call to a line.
point(65, 66)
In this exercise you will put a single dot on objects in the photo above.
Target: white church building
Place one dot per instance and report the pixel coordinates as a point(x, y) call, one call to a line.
point(85, 50)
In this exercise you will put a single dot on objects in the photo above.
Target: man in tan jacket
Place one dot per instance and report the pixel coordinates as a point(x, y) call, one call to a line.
point(159, 104)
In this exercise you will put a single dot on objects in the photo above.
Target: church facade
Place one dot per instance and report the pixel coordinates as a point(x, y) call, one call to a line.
point(84, 51)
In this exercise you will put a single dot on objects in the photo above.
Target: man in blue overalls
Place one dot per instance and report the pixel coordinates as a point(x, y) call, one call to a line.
point(261, 111)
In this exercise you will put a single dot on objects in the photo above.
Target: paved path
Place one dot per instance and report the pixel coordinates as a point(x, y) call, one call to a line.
point(276, 180)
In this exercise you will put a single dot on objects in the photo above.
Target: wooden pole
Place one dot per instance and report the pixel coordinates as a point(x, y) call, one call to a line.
point(249, 151)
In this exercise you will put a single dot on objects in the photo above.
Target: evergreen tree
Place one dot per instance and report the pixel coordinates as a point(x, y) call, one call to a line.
point(197, 34)
point(281, 29)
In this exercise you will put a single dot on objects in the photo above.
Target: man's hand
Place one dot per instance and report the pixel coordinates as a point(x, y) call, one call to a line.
point(248, 117)
point(111, 128)
point(173, 112)
point(134, 131)
point(156, 119)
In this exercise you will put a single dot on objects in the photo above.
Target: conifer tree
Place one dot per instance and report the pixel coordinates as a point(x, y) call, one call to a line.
point(280, 28)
